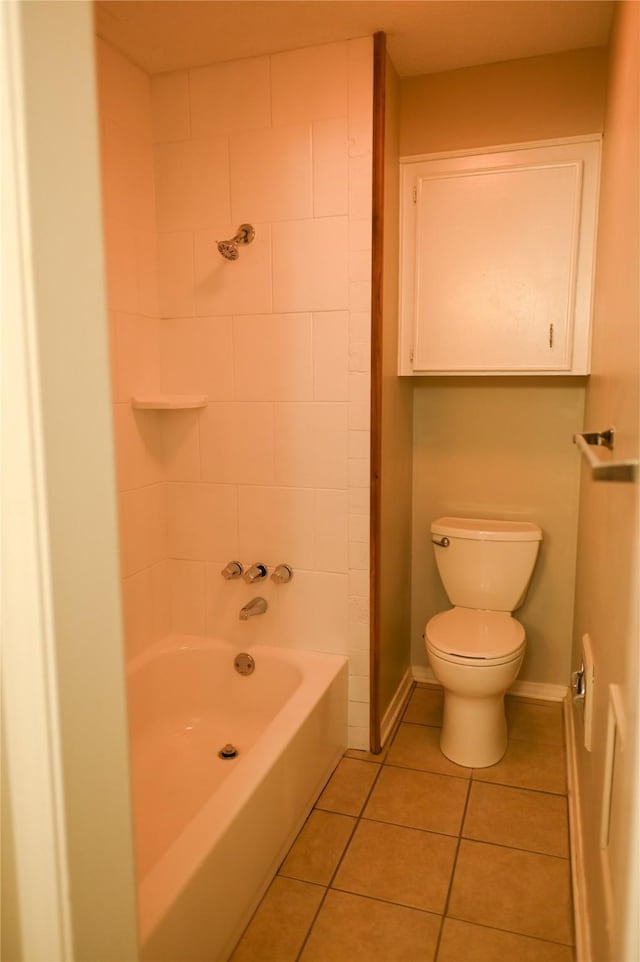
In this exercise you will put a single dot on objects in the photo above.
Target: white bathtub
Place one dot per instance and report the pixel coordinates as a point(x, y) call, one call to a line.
point(210, 833)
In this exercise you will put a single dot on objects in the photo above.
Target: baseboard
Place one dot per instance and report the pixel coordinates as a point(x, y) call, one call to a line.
point(397, 704)
point(540, 690)
point(578, 867)
point(525, 689)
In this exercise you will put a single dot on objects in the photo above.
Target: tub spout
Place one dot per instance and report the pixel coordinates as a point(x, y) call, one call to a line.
point(257, 606)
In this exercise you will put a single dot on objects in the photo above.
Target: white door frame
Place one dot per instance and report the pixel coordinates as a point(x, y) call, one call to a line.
point(68, 883)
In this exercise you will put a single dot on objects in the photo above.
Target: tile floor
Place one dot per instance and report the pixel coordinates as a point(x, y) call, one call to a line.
point(407, 857)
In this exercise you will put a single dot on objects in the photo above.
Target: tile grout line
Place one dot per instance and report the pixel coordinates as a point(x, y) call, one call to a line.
point(358, 817)
point(340, 860)
point(453, 872)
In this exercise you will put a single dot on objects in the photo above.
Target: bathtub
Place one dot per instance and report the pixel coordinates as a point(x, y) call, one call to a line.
point(210, 833)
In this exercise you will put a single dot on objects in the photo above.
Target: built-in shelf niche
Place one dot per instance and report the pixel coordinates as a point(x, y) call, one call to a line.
point(168, 402)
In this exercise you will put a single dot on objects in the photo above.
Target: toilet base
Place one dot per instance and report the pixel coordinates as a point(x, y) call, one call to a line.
point(474, 730)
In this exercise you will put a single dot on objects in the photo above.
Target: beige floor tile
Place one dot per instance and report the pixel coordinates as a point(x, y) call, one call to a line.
point(519, 818)
point(317, 850)
point(419, 800)
point(532, 721)
point(418, 746)
point(348, 787)
point(474, 943)
point(519, 892)
point(528, 765)
point(354, 929)
point(279, 927)
point(425, 707)
point(398, 864)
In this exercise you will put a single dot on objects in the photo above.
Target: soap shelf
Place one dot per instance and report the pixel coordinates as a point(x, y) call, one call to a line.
point(602, 469)
point(169, 402)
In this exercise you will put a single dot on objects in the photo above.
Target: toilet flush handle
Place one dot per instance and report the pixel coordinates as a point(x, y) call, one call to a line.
point(441, 542)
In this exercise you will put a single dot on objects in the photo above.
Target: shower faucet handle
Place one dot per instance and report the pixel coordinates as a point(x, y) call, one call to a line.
point(282, 574)
point(255, 573)
point(232, 571)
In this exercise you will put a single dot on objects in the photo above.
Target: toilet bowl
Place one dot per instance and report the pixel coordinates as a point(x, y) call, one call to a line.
point(474, 729)
point(476, 648)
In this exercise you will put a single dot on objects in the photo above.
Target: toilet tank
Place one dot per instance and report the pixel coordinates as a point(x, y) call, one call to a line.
point(485, 563)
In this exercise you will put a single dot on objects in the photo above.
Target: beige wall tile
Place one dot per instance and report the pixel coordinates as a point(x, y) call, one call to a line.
point(309, 84)
point(278, 185)
point(250, 107)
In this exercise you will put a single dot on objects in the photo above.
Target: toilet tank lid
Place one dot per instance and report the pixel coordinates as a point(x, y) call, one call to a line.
point(486, 529)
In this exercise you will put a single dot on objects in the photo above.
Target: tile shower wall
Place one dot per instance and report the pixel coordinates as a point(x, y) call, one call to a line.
point(124, 100)
point(275, 468)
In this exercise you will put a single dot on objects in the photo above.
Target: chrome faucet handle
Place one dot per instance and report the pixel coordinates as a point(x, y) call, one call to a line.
point(232, 571)
point(282, 574)
point(255, 573)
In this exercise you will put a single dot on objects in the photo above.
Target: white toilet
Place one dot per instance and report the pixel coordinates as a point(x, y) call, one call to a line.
point(476, 648)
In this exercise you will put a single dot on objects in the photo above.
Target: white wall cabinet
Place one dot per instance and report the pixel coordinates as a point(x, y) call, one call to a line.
point(497, 258)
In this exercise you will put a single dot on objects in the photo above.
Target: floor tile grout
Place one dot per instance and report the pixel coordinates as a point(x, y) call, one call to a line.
point(453, 873)
point(473, 776)
point(344, 851)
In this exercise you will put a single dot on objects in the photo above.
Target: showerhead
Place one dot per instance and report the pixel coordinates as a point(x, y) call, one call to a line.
point(229, 248)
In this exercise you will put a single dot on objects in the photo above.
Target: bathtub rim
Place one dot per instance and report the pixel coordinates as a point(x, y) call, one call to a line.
point(183, 858)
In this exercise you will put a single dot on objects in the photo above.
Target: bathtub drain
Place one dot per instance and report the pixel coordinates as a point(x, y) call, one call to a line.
point(244, 663)
point(228, 751)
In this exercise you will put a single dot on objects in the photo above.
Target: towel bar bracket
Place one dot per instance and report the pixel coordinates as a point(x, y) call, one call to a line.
point(604, 438)
point(604, 470)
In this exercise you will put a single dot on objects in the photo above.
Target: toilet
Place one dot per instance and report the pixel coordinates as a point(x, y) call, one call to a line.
point(476, 648)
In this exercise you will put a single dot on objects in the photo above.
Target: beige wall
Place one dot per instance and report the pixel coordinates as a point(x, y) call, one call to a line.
point(397, 402)
point(559, 95)
point(502, 446)
point(503, 450)
point(607, 576)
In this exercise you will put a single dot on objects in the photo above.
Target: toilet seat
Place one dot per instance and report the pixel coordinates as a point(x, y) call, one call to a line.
point(472, 636)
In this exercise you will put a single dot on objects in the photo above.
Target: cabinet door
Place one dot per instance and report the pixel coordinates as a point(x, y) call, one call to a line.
point(493, 262)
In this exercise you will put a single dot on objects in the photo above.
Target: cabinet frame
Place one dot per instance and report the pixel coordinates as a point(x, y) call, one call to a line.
point(584, 153)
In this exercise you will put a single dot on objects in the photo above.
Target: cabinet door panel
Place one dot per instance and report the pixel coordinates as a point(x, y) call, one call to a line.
point(495, 268)
point(497, 252)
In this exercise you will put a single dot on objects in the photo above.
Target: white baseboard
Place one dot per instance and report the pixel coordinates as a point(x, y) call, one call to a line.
point(578, 868)
point(526, 689)
point(397, 704)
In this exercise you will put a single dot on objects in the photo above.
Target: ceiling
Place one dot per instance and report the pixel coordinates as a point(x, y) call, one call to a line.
point(423, 36)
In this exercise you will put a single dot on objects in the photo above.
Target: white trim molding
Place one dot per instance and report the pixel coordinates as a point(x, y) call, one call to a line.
point(524, 689)
point(578, 868)
point(396, 705)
